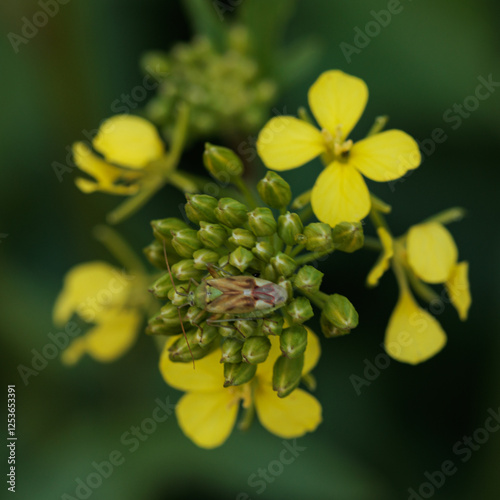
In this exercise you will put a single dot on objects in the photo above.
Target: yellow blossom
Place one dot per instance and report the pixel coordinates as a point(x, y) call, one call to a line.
point(337, 101)
point(98, 293)
point(208, 411)
point(128, 145)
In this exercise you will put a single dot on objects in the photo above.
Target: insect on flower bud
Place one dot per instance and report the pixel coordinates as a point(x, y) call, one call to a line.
point(222, 163)
point(241, 258)
point(348, 236)
point(228, 332)
point(273, 325)
point(319, 237)
point(212, 235)
point(178, 300)
point(184, 270)
point(289, 226)
point(231, 351)
point(201, 207)
point(340, 312)
point(263, 250)
point(162, 286)
point(248, 328)
point(284, 264)
point(308, 279)
point(255, 350)
point(186, 242)
point(231, 213)
point(181, 352)
point(286, 374)
point(261, 222)
point(293, 341)
point(274, 190)
point(300, 310)
point(162, 228)
point(205, 334)
point(202, 258)
point(194, 314)
point(237, 374)
point(242, 238)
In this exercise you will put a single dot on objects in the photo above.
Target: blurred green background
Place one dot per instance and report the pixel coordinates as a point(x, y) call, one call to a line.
point(373, 446)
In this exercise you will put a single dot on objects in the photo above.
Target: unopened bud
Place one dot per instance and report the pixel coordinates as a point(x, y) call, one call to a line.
point(222, 163)
point(200, 207)
point(269, 273)
point(205, 334)
point(184, 270)
point(286, 374)
point(227, 331)
point(231, 351)
point(274, 190)
point(194, 315)
point(348, 236)
point(242, 238)
point(185, 349)
point(293, 341)
point(284, 264)
point(329, 329)
point(263, 250)
point(162, 228)
point(156, 256)
point(162, 286)
point(186, 242)
point(237, 374)
point(308, 279)
point(248, 328)
point(300, 310)
point(255, 350)
point(261, 222)
point(212, 235)
point(339, 311)
point(156, 64)
point(158, 326)
point(241, 258)
point(289, 226)
point(319, 237)
point(231, 213)
point(273, 325)
point(204, 257)
point(177, 299)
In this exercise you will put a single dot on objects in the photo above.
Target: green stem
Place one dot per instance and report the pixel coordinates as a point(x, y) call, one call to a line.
point(297, 250)
point(446, 216)
point(248, 195)
point(372, 243)
point(424, 291)
point(306, 213)
point(309, 257)
point(378, 126)
point(317, 298)
point(288, 250)
point(305, 116)
point(380, 205)
point(247, 419)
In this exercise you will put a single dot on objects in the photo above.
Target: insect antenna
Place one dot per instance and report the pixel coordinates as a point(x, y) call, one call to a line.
point(178, 308)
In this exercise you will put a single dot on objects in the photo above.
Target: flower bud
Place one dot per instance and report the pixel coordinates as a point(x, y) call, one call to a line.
point(274, 190)
point(237, 374)
point(181, 352)
point(289, 226)
point(348, 236)
point(184, 270)
point(204, 257)
point(227, 268)
point(242, 238)
point(329, 329)
point(263, 250)
point(231, 351)
point(155, 254)
point(241, 258)
point(319, 237)
point(284, 264)
point(194, 315)
point(177, 299)
point(205, 334)
point(340, 312)
point(156, 64)
point(186, 242)
point(231, 213)
point(308, 279)
point(273, 325)
point(261, 222)
point(212, 235)
point(248, 328)
point(293, 341)
point(286, 374)
point(162, 228)
point(162, 286)
point(222, 163)
point(300, 310)
point(269, 273)
point(200, 207)
point(228, 331)
point(255, 350)
point(158, 326)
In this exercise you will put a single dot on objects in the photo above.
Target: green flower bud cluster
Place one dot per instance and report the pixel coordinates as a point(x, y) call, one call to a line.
point(224, 91)
point(223, 237)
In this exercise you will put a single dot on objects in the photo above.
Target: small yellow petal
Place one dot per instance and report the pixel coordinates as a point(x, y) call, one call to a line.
point(130, 141)
point(87, 186)
point(384, 260)
point(72, 354)
point(313, 351)
point(413, 335)
point(340, 194)
point(206, 376)
point(458, 289)
point(207, 418)
point(288, 417)
point(286, 142)
point(386, 156)
point(432, 252)
point(338, 100)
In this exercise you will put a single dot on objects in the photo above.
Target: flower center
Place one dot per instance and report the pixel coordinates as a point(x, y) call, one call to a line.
point(337, 149)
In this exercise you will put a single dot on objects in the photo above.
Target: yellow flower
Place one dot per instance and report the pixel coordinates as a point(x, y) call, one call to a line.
point(337, 101)
point(208, 412)
point(128, 144)
point(98, 293)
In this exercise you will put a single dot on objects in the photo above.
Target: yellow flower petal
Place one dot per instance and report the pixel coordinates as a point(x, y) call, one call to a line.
point(413, 335)
point(207, 376)
point(313, 351)
point(286, 142)
point(432, 252)
point(338, 100)
point(87, 186)
point(130, 141)
point(386, 156)
point(289, 417)
point(108, 340)
point(207, 418)
point(384, 259)
point(340, 194)
point(90, 290)
point(458, 289)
